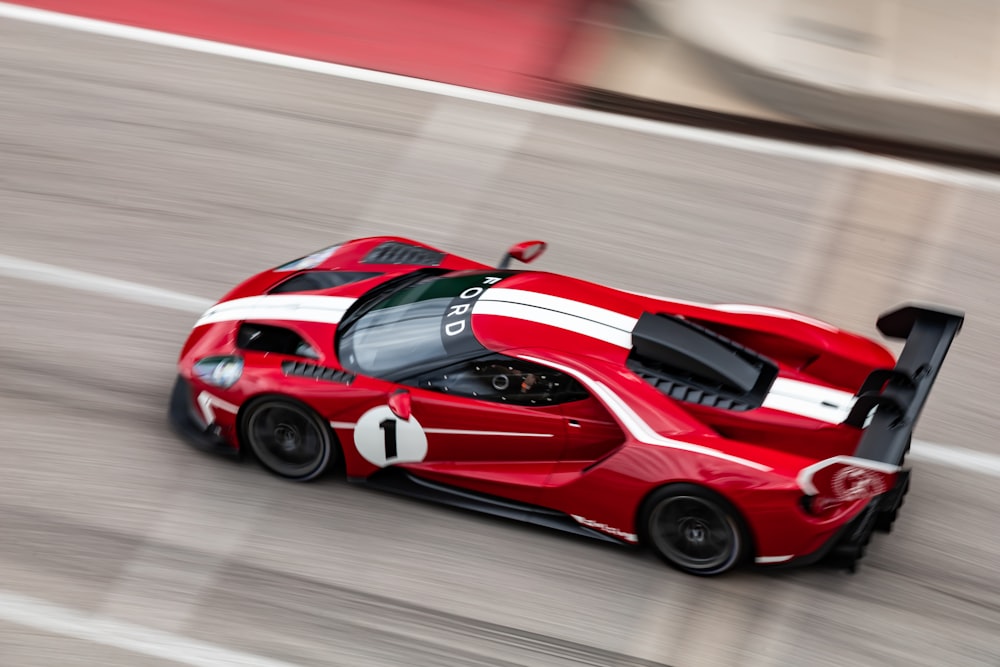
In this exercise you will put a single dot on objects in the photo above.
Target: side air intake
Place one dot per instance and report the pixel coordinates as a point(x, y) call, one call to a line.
point(268, 338)
point(315, 371)
point(691, 363)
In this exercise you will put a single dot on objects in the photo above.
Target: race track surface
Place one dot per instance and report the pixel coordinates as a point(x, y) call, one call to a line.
point(186, 172)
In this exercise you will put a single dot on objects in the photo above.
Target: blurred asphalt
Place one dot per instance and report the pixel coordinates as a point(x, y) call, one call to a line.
point(188, 172)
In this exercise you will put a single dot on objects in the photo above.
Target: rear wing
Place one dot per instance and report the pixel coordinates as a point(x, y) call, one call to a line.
point(890, 400)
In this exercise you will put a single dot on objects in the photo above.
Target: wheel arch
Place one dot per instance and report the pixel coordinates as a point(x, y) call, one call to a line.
point(337, 462)
point(745, 526)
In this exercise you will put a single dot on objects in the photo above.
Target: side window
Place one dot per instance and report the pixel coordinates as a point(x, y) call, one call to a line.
point(502, 379)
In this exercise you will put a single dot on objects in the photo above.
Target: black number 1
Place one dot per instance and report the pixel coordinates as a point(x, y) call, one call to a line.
point(389, 426)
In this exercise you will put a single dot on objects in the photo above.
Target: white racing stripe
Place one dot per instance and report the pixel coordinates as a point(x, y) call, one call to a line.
point(809, 400)
point(786, 395)
point(460, 431)
point(505, 434)
point(293, 307)
point(44, 616)
point(558, 304)
point(645, 433)
point(552, 318)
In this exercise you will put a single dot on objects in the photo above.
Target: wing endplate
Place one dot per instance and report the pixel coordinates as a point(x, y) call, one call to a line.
point(898, 395)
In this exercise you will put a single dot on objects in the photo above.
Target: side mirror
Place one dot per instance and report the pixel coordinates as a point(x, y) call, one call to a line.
point(401, 404)
point(525, 251)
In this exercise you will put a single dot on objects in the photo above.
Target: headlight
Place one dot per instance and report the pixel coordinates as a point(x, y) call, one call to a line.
point(219, 371)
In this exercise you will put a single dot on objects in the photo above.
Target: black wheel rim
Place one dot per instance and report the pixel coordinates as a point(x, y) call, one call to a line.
point(695, 533)
point(287, 438)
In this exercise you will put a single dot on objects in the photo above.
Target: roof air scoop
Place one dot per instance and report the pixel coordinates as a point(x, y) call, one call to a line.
point(690, 362)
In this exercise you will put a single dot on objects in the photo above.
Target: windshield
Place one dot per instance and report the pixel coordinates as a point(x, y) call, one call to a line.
point(422, 324)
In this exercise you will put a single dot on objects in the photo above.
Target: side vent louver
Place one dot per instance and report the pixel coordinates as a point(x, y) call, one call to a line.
point(316, 372)
point(395, 252)
point(689, 394)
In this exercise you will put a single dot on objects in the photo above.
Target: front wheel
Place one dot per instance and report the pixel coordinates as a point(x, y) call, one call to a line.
point(288, 438)
point(694, 530)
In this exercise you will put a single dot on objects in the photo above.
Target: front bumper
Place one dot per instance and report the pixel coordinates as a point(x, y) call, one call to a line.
point(186, 421)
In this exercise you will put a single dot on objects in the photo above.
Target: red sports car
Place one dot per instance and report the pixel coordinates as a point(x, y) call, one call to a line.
point(714, 434)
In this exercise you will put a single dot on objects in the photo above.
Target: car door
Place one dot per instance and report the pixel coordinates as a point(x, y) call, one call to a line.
point(492, 424)
point(591, 433)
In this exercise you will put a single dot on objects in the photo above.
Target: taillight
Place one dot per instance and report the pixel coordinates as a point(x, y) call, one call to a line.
point(843, 479)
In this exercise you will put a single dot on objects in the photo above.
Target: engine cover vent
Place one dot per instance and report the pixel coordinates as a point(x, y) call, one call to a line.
point(691, 363)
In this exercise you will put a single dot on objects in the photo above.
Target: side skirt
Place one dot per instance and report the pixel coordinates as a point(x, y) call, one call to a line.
point(402, 482)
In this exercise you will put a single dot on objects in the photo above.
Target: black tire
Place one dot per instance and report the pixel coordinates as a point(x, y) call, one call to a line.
point(885, 519)
point(694, 530)
point(288, 438)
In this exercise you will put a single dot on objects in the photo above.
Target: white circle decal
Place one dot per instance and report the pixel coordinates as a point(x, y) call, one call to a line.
point(383, 439)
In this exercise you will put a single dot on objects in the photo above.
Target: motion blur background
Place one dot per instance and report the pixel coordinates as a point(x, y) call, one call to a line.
point(140, 180)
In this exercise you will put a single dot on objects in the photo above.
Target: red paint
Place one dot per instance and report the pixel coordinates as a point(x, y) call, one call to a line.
point(595, 457)
point(401, 404)
point(527, 251)
point(500, 46)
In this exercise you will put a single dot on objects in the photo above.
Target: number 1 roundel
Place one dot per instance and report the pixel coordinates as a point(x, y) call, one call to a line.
point(383, 439)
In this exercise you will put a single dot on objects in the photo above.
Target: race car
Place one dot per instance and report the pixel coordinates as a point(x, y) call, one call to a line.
point(713, 434)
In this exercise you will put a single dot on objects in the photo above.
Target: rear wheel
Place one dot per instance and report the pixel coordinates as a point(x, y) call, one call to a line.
point(694, 529)
point(288, 438)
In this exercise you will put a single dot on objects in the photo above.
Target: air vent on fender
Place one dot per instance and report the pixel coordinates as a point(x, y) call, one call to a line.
point(396, 252)
point(316, 372)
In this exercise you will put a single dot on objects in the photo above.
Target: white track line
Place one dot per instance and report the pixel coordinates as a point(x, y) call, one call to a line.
point(956, 457)
point(47, 274)
point(48, 617)
point(833, 156)
point(21, 269)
